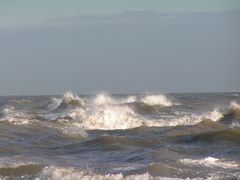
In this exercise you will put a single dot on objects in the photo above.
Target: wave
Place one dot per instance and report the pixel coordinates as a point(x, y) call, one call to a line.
point(235, 109)
point(216, 135)
point(107, 117)
point(118, 142)
point(15, 117)
point(232, 117)
point(211, 162)
point(18, 166)
point(123, 117)
point(214, 115)
point(154, 100)
point(106, 113)
point(58, 173)
point(21, 170)
point(69, 100)
point(104, 99)
point(151, 100)
point(19, 118)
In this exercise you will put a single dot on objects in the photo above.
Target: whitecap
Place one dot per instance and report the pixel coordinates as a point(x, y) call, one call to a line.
point(210, 162)
point(69, 173)
point(153, 100)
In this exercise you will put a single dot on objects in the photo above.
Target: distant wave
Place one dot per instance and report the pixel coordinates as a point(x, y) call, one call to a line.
point(107, 113)
point(104, 117)
point(151, 100)
point(123, 117)
point(154, 100)
point(101, 112)
point(69, 100)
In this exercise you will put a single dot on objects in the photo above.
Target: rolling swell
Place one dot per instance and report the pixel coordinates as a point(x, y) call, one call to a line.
point(225, 130)
point(119, 142)
point(230, 136)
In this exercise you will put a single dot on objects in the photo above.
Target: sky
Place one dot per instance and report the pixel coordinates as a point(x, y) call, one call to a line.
point(33, 12)
point(127, 46)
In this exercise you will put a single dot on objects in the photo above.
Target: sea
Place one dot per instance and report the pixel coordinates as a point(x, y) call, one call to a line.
point(120, 136)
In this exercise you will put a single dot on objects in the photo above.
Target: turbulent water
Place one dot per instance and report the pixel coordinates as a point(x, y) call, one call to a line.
point(138, 136)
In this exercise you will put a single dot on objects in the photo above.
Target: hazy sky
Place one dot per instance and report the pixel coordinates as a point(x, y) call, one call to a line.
point(32, 12)
point(48, 47)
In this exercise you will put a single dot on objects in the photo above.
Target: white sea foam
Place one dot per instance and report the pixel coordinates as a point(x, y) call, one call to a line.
point(103, 99)
point(107, 117)
point(106, 99)
point(16, 117)
point(234, 106)
point(156, 100)
point(210, 162)
point(55, 103)
point(110, 117)
point(68, 173)
point(68, 98)
point(123, 117)
point(184, 120)
point(214, 115)
point(16, 161)
point(177, 121)
point(235, 124)
point(129, 99)
point(105, 112)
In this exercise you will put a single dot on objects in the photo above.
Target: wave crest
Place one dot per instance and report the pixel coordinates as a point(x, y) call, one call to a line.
point(235, 108)
point(69, 100)
point(16, 117)
point(103, 99)
point(210, 162)
point(107, 117)
point(154, 100)
point(55, 172)
point(232, 117)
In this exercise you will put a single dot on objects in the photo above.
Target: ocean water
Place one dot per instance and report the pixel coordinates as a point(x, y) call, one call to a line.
point(135, 136)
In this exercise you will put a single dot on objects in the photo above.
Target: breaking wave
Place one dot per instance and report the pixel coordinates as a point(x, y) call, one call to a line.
point(16, 117)
point(104, 99)
point(107, 117)
point(232, 117)
point(210, 162)
point(102, 114)
point(69, 100)
point(58, 173)
point(106, 113)
point(235, 109)
point(154, 100)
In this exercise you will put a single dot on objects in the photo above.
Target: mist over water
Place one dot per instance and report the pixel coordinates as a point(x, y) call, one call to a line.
point(104, 136)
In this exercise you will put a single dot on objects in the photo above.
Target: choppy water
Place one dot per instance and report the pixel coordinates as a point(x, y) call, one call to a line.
point(143, 136)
